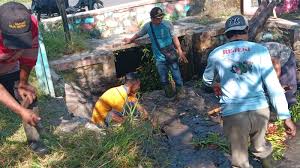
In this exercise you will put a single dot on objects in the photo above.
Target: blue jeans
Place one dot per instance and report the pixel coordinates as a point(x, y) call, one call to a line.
point(163, 69)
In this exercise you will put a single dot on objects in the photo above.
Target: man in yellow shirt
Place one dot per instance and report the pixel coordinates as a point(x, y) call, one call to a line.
point(112, 104)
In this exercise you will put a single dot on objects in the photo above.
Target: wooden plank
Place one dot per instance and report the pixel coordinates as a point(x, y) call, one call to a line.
point(43, 71)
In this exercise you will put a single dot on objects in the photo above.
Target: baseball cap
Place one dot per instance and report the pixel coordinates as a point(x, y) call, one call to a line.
point(156, 12)
point(15, 25)
point(236, 22)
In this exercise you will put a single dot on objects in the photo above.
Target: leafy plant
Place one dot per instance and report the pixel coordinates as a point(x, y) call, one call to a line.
point(212, 140)
point(295, 109)
point(199, 84)
point(277, 139)
point(148, 72)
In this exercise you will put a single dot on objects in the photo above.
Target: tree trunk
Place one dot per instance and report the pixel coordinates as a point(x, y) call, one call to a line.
point(62, 10)
point(260, 18)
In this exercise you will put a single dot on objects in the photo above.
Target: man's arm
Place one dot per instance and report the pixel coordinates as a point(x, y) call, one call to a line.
point(209, 72)
point(27, 62)
point(276, 93)
point(277, 66)
point(131, 40)
point(24, 88)
point(27, 115)
point(141, 33)
point(182, 56)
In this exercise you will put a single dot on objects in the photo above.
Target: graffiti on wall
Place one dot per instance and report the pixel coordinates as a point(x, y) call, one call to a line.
point(286, 6)
point(126, 21)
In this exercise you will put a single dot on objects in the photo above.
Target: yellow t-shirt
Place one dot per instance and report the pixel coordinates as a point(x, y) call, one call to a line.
point(114, 98)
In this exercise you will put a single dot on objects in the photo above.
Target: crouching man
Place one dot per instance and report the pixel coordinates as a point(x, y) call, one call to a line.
point(284, 63)
point(116, 102)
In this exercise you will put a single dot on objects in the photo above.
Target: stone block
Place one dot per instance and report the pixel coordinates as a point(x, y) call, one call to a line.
point(83, 59)
point(69, 126)
point(77, 101)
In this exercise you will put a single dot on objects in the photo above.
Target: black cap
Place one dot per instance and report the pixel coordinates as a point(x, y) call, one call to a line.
point(156, 12)
point(131, 76)
point(15, 26)
point(236, 22)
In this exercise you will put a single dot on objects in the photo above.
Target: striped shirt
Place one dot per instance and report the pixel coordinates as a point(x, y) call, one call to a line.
point(11, 59)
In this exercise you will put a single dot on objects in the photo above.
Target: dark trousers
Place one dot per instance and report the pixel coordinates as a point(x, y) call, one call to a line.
point(9, 81)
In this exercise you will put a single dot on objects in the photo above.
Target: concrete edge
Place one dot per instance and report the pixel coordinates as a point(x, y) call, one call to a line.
point(82, 59)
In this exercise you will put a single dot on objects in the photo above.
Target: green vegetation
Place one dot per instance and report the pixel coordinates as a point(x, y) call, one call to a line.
point(123, 146)
point(277, 139)
point(126, 146)
point(277, 135)
point(296, 109)
point(55, 43)
point(213, 140)
point(148, 72)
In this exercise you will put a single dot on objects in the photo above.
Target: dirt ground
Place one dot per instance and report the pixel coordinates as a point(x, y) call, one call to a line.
point(187, 136)
point(185, 121)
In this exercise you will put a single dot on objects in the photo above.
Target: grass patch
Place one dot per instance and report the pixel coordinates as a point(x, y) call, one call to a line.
point(123, 146)
point(213, 140)
point(126, 146)
point(56, 46)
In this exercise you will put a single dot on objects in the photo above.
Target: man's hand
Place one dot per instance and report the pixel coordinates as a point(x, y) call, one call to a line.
point(182, 57)
point(144, 114)
point(290, 127)
point(26, 90)
point(117, 118)
point(287, 88)
point(29, 117)
point(127, 40)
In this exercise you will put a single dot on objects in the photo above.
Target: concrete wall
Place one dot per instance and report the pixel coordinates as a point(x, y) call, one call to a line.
point(126, 18)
